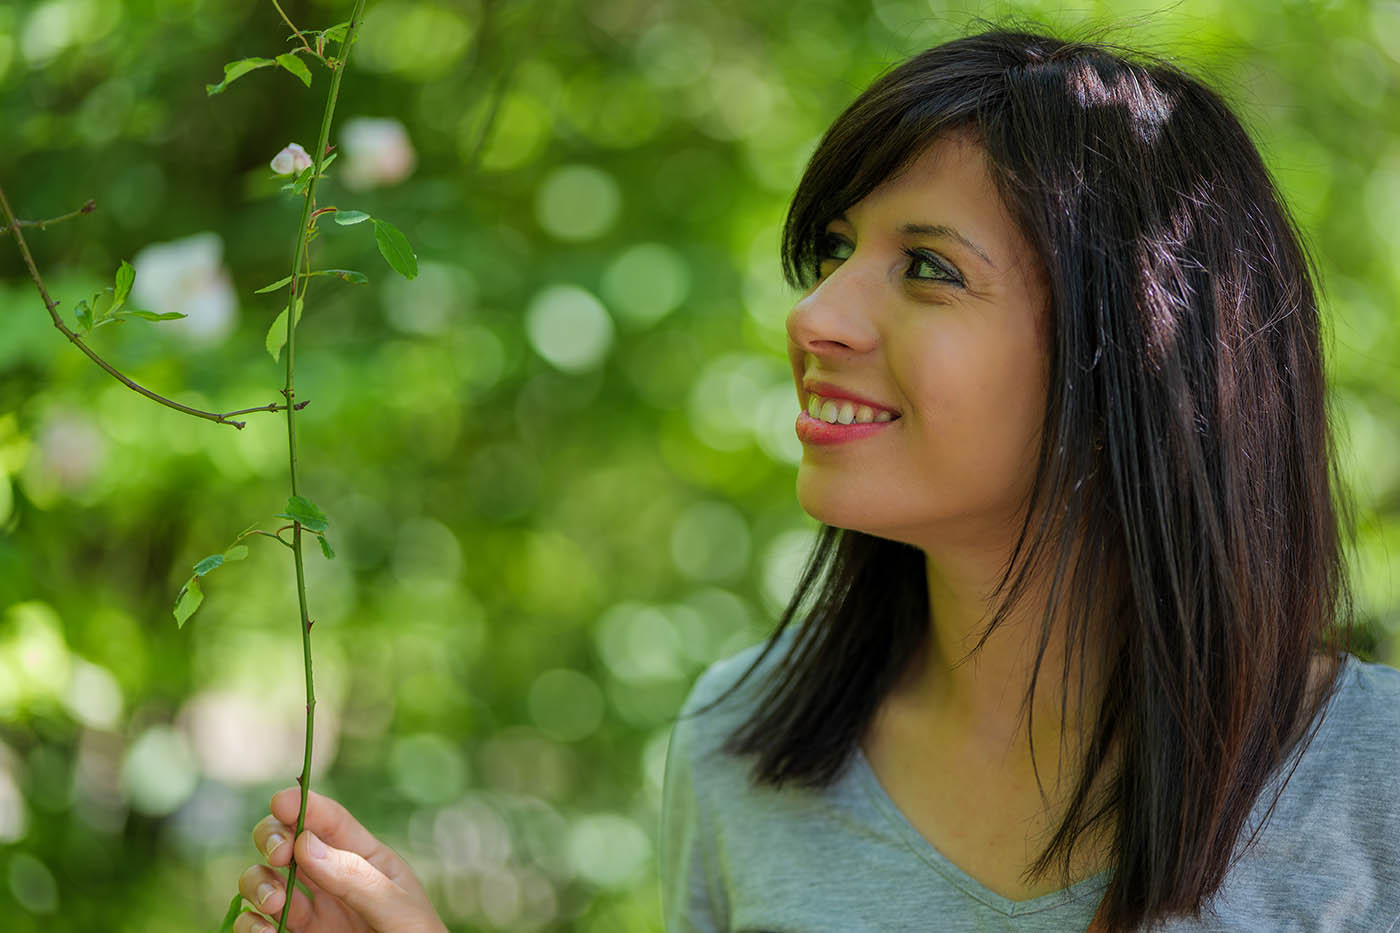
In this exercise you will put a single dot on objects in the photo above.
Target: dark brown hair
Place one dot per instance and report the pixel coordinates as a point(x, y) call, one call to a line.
point(1186, 455)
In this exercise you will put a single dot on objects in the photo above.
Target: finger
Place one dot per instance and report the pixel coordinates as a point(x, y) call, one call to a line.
point(359, 884)
point(265, 890)
point(253, 923)
point(269, 835)
point(333, 823)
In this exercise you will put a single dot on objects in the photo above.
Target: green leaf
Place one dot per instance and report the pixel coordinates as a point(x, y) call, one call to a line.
point(151, 315)
point(296, 66)
point(187, 601)
point(346, 218)
point(337, 32)
point(125, 276)
point(235, 70)
point(84, 316)
point(274, 286)
point(212, 562)
point(102, 307)
point(395, 249)
point(305, 513)
point(277, 333)
point(345, 275)
point(237, 552)
point(235, 907)
point(326, 548)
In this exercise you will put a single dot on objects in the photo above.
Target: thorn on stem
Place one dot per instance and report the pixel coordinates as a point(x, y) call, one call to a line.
point(89, 207)
point(300, 405)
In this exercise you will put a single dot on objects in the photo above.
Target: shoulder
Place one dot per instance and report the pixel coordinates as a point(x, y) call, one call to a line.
point(1330, 845)
point(727, 691)
point(1357, 740)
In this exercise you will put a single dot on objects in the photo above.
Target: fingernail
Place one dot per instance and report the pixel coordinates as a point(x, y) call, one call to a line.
point(314, 846)
point(264, 928)
point(265, 892)
point(272, 843)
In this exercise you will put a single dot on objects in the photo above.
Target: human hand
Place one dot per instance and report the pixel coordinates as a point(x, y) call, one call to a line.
point(359, 884)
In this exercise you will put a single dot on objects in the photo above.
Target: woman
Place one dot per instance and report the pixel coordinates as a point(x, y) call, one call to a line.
point(1064, 645)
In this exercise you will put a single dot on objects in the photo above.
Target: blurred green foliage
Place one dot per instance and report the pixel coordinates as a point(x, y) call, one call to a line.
point(558, 464)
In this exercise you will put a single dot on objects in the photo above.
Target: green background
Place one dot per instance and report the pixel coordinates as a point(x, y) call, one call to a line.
point(558, 464)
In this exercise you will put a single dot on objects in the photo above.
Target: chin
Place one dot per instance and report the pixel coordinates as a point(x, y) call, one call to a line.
point(848, 505)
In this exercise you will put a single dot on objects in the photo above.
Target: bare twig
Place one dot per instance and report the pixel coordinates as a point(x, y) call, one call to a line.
point(294, 29)
point(87, 208)
point(12, 225)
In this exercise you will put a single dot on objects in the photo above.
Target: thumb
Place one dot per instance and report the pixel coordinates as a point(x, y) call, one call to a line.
point(362, 887)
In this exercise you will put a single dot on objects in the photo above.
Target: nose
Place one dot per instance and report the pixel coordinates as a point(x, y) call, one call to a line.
point(833, 319)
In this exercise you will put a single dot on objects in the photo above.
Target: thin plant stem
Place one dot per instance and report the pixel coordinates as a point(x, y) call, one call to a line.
point(87, 208)
point(292, 26)
point(12, 225)
point(296, 292)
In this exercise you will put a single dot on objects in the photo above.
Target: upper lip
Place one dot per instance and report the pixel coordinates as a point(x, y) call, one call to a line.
point(827, 390)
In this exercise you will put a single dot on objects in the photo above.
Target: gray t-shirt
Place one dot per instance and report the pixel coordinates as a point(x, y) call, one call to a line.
point(735, 856)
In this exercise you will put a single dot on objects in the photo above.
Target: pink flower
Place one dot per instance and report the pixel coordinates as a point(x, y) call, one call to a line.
point(291, 160)
point(377, 152)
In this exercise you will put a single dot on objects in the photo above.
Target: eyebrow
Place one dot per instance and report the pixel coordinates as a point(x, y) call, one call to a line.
point(946, 232)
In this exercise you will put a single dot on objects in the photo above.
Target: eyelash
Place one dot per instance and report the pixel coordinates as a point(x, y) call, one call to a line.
point(917, 257)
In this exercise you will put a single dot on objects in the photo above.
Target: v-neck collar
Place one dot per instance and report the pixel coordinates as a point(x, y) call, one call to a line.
point(1087, 892)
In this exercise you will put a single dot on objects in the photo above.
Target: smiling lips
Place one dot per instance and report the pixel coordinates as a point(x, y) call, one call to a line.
point(831, 419)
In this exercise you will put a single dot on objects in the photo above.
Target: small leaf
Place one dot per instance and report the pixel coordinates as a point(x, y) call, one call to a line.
point(277, 333)
point(151, 315)
point(125, 276)
point(84, 316)
point(304, 512)
point(345, 275)
point(237, 552)
point(326, 548)
point(102, 307)
point(346, 218)
point(235, 907)
point(273, 287)
point(212, 562)
point(395, 249)
point(336, 33)
point(187, 601)
point(235, 70)
point(296, 66)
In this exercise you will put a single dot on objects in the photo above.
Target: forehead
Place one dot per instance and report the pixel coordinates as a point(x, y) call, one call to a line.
point(949, 184)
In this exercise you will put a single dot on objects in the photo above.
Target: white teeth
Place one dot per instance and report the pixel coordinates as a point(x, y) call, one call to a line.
point(842, 411)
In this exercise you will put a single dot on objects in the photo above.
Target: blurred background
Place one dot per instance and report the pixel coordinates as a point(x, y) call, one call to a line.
point(558, 464)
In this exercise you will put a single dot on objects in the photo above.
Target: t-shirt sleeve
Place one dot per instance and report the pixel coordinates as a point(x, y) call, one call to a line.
point(687, 881)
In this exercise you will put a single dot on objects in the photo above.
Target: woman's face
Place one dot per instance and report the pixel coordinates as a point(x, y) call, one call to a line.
point(925, 339)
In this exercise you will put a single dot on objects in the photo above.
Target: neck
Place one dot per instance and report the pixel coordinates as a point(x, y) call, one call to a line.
point(981, 691)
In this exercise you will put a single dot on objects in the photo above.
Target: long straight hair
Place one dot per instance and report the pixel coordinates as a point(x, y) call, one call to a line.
point(1185, 458)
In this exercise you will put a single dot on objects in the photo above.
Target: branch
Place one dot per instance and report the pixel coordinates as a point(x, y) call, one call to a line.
point(87, 208)
point(294, 29)
point(12, 225)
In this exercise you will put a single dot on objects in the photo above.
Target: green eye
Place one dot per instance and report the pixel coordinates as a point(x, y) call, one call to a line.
point(929, 267)
point(831, 250)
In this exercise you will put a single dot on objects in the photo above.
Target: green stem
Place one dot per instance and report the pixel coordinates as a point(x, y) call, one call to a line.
point(299, 255)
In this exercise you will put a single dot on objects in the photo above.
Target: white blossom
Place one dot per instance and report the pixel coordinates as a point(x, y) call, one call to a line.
point(187, 276)
point(291, 160)
point(377, 152)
